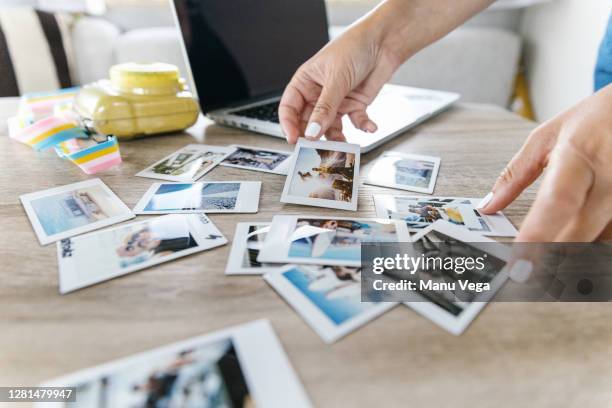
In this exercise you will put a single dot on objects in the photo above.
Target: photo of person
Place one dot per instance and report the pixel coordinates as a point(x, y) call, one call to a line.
point(150, 242)
point(405, 171)
point(256, 159)
point(89, 259)
point(342, 240)
point(206, 376)
point(323, 174)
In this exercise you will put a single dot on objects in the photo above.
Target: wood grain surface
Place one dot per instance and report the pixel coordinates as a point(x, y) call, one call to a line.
point(513, 355)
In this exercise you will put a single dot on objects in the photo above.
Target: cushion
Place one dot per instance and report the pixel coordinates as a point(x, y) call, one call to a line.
point(37, 61)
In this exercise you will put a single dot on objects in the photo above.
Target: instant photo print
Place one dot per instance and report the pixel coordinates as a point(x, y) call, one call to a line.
point(419, 212)
point(412, 172)
point(187, 164)
point(103, 255)
point(248, 240)
point(453, 315)
point(327, 297)
point(323, 174)
point(326, 240)
point(242, 366)
point(73, 209)
point(258, 159)
point(202, 197)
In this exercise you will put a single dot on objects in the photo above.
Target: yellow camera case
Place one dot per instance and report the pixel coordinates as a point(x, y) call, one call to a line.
point(138, 100)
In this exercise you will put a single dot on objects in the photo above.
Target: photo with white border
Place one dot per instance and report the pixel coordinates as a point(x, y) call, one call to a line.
point(323, 174)
point(73, 209)
point(463, 313)
point(412, 172)
point(327, 297)
point(258, 159)
point(319, 240)
point(200, 197)
point(188, 163)
point(421, 211)
point(249, 238)
point(102, 255)
point(243, 365)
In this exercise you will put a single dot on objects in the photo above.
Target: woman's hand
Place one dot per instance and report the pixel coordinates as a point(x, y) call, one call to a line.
point(347, 74)
point(574, 202)
point(343, 78)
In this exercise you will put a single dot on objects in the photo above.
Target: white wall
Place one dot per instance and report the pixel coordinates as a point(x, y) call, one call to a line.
point(561, 42)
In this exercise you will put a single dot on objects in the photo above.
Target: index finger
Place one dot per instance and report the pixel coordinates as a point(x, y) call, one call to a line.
point(289, 111)
point(561, 196)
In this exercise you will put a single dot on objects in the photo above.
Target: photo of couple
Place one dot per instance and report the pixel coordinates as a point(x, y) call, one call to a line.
point(324, 174)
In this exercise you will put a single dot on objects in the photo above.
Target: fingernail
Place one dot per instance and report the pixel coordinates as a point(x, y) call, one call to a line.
point(486, 200)
point(521, 270)
point(370, 127)
point(312, 130)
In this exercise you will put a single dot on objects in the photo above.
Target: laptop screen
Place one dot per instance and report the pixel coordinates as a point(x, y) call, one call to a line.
point(244, 50)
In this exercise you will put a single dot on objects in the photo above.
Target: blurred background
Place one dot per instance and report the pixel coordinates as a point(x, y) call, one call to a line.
point(535, 57)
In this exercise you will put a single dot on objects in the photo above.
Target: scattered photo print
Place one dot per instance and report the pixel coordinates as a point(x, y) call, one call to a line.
point(251, 158)
point(239, 367)
point(163, 198)
point(420, 212)
point(328, 297)
point(405, 171)
point(102, 255)
point(342, 240)
point(446, 304)
point(323, 174)
point(73, 209)
point(187, 164)
point(206, 376)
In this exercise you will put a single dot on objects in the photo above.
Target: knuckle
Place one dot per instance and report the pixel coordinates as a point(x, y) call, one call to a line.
point(323, 108)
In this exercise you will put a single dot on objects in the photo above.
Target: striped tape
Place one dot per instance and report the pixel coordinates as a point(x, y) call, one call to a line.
point(61, 132)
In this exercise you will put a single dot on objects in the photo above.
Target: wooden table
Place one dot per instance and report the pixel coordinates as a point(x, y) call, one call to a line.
point(514, 354)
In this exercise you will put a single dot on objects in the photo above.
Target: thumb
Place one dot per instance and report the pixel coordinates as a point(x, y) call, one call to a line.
point(326, 108)
point(524, 168)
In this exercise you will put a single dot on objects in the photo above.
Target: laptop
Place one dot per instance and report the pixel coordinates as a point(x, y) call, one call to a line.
point(242, 53)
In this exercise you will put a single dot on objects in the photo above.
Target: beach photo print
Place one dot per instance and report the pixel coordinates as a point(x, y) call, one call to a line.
point(73, 209)
point(327, 297)
point(254, 158)
point(410, 172)
point(323, 174)
point(187, 164)
point(202, 197)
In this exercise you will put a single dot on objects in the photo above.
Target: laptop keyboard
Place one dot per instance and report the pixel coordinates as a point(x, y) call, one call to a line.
point(267, 112)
